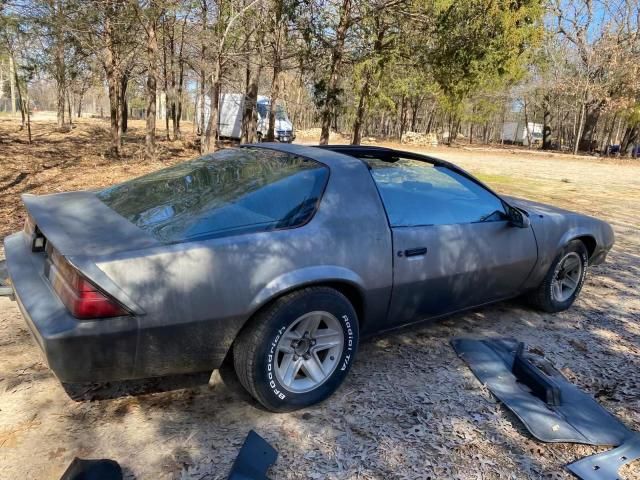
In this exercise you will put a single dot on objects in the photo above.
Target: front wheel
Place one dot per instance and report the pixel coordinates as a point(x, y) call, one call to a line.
point(298, 350)
point(563, 282)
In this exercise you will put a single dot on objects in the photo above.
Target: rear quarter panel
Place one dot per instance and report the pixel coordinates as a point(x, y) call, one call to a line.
point(198, 295)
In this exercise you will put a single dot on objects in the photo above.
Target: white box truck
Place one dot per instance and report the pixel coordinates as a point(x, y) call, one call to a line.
point(230, 118)
point(516, 132)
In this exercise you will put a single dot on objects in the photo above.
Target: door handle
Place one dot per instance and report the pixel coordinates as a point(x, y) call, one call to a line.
point(412, 252)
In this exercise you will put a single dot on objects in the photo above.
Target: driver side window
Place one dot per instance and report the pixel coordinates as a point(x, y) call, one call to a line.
point(418, 193)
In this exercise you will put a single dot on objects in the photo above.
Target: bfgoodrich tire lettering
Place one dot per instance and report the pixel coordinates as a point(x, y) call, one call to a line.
point(564, 280)
point(277, 334)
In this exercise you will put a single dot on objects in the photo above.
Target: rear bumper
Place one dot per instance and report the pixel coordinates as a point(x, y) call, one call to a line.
point(76, 350)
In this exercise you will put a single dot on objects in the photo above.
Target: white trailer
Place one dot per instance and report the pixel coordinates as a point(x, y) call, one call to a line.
point(516, 132)
point(230, 112)
point(231, 109)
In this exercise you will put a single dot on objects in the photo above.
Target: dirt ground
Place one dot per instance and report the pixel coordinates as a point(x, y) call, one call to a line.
point(410, 409)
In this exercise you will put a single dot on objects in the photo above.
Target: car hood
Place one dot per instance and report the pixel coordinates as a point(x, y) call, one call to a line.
point(538, 208)
point(555, 226)
point(79, 224)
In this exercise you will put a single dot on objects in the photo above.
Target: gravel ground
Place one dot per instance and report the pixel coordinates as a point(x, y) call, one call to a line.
point(409, 409)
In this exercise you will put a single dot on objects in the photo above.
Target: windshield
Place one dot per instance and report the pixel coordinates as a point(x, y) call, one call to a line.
point(233, 191)
point(263, 111)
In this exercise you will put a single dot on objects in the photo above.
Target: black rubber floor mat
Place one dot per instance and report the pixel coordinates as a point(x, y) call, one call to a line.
point(104, 469)
point(254, 459)
point(576, 416)
point(605, 466)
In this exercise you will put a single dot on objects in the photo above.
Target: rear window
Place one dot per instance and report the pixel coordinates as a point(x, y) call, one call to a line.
point(232, 191)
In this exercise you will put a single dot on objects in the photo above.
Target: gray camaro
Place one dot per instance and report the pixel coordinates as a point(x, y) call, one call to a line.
point(279, 258)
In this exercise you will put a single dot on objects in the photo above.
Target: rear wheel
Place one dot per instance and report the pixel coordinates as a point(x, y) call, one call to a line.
point(297, 351)
point(564, 280)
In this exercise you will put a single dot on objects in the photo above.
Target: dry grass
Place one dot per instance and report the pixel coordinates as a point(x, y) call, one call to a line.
point(74, 160)
point(410, 409)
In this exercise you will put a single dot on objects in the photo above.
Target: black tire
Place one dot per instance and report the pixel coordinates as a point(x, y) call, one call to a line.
point(543, 297)
point(253, 351)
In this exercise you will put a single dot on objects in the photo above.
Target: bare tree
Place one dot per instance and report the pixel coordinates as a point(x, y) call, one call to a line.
point(149, 15)
point(337, 52)
point(229, 13)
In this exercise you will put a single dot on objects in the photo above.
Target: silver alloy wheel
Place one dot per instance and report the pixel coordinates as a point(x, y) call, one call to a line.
point(309, 351)
point(567, 276)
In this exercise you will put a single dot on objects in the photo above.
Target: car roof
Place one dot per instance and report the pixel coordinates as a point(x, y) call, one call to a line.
point(381, 153)
point(349, 156)
point(334, 160)
point(339, 155)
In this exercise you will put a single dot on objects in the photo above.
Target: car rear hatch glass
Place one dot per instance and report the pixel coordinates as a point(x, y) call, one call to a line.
point(233, 191)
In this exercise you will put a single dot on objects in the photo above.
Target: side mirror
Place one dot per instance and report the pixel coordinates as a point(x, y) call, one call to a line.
point(518, 218)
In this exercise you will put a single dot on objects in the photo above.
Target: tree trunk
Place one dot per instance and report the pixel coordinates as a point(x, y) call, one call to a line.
point(83, 90)
point(250, 112)
point(23, 113)
point(580, 126)
point(152, 87)
point(60, 85)
point(526, 125)
point(414, 115)
point(456, 128)
point(69, 107)
point(59, 63)
point(331, 99)
point(177, 133)
point(167, 112)
point(28, 110)
point(114, 113)
point(12, 84)
point(113, 82)
point(403, 117)
point(275, 94)
point(432, 114)
point(171, 100)
point(593, 111)
point(203, 72)
point(124, 105)
point(615, 140)
point(546, 128)
point(208, 143)
point(360, 112)
point(606, 140)
point(630, 140)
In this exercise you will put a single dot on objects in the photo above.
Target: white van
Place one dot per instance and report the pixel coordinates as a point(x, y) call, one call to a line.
point(230, 118)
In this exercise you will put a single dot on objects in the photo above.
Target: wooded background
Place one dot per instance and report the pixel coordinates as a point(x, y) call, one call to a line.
point(381, 68)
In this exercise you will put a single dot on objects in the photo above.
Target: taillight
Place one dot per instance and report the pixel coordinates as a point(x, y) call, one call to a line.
point(38, 240)
point(81, 297)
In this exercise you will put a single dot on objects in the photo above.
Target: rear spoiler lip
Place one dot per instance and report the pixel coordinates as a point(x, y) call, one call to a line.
point(55, 215)
point(91, 271)
point(101, 231)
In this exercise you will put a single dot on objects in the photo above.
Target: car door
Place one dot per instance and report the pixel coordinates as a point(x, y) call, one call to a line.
point(454, 246)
